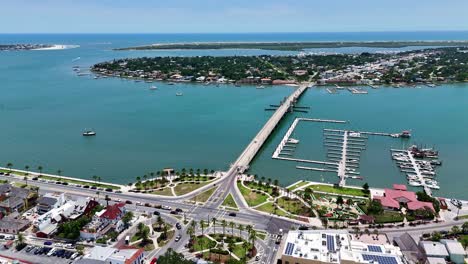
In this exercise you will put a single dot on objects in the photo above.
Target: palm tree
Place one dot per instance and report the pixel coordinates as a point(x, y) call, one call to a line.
point(248, 228)
point(95, 179)
point(205, 172)
point(9, 165)
point(241, 228)
point(20, 239)
point(224, 224)
point(107, 198)
point(253, 237)
point(213, 220)
point(99, 179)
point(245, 246)
point(59, 172)
point(190, 232)
point(26, 168)
point(39, 168)
point(276, 182)
point(231, 224)
point(184, 171)
point(145, 177)
point(202, 225)
point(151, 175)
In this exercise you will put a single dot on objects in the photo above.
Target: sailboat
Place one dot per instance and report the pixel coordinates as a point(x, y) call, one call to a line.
point(153, 87)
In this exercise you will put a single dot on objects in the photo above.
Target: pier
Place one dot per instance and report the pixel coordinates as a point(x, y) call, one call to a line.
point(243, 161)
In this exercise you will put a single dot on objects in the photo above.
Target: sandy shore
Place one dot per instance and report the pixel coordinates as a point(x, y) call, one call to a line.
point(59, 47)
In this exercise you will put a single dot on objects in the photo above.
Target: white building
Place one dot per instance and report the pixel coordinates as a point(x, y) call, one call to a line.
point(113, 256)
point(455, 250)
point(330, 246)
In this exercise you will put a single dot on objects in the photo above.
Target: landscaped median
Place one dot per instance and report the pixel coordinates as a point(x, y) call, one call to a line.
point(229, 203)
point(204, 196)
point(168, 186)
point(252, 197)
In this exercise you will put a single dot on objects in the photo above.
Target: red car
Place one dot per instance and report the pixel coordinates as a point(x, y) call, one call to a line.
point(154, 261)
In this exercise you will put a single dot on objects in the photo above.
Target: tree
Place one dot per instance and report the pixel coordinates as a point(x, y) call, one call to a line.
point(245, 246)
point(39, 168)
point(276, 182)
point(172, 257)
point(436, 236)
point(213, 220)
point(366, 187)
point(143, 232)
point(231, 225)
point(375, 207)
point(253, 237)
point(241, 228)
point(465, 227)
point(464, 241)
point(26, 168)
point(224, 224)
point(202, 226)
point(59, 172)
point(190, 232)
point(9, 165)
point(249, 229)
point(127, 218)
point(339, 201)
point(455, 230)
point(107, 198)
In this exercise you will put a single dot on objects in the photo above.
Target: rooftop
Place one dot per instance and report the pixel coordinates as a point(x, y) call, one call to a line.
point(434, 248)
point(453, 246)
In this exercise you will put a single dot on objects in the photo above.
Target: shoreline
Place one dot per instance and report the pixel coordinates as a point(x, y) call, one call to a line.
point(58, 47)
point(292, 45)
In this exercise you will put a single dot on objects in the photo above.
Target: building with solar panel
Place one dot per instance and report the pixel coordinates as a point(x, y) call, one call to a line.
point(335, 246)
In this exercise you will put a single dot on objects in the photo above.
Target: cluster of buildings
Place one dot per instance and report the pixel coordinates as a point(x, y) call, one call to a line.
point(339, 246)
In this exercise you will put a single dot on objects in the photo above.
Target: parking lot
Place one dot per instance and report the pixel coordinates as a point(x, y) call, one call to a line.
point(42, 254)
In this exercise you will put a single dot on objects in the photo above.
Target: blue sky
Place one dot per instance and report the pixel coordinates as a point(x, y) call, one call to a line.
point(184, 16)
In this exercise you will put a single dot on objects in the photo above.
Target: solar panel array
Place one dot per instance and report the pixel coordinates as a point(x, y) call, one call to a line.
point(374, 248)
point(289, 249)
point(330, 243)
point(380, 259)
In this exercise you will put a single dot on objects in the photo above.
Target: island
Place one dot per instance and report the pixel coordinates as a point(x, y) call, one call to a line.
point(16, 47)
point(421, 66)
point(295, 46)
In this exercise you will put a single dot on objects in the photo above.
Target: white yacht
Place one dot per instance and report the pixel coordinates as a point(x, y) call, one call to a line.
point(153, 87)
point(293, 141)
point(179, 94)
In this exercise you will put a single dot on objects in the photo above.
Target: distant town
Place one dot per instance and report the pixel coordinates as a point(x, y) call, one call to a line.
point(406, 68)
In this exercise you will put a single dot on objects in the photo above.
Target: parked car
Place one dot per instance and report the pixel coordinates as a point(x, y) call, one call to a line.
point(177, 238)
point(232, 214)
point(86, 186)
point(128, 202)
point(48, 243)
point(109, 190)
point(156, 213)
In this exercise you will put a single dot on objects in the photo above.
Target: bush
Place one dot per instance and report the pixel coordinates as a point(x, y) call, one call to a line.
point(20, 246)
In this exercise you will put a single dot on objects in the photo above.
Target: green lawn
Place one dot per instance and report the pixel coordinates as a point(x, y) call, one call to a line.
point(297, 185)
point(165, 191)
point(294, 206)
point(170, 234)
point(463, 217)
point(269, 208)
point(239, 251)
point(255, 186)
point(229, 202)
point(337, 190)
point(202, 243)
point(252, 197)
point(388, 217)
point(184, 188)
point(204, 196)
point(13, 172)
point(99, 185)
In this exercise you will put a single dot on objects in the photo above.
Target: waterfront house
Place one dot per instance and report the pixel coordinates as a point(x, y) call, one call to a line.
point(394, 199)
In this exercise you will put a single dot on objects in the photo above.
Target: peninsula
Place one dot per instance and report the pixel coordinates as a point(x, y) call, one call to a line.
point(15, 47)
point(295, 46)
point(420, 66)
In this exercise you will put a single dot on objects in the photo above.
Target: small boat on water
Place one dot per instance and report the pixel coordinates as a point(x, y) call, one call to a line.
point(260, 87)
point(171, 83)
point(293, 141)
point(89, 133)
point(179, 94)
point(153, 87)
point(354, 134)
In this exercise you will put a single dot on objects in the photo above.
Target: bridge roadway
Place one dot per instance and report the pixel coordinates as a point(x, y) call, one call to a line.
point(242, 163)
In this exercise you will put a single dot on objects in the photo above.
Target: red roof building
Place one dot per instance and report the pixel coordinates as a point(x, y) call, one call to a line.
point(394, 198)
point(113, 212)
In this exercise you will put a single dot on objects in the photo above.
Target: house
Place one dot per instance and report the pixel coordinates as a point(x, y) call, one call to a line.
point(49, 201)
point(393, 199)
point(47, 224)
point(113, 255)
point(12, 224)
point(455, 250)
point(103, 221)
point(265, 80)
point(15, 199)
point(366, 219)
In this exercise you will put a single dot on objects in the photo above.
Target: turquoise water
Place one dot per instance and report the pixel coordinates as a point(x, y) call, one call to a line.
point(44, 107)
point(436, 116)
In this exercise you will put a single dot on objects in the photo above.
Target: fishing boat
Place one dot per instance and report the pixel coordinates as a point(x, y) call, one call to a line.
point(260, 87)
point(153, 87)
point(89, 133)
point(171, 83)
point(179, 94)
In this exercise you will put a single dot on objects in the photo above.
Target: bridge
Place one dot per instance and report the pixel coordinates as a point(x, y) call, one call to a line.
point(242, 163)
